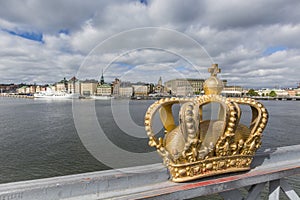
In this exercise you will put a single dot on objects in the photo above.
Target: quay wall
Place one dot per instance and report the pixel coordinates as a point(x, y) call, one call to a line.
point(16, 96)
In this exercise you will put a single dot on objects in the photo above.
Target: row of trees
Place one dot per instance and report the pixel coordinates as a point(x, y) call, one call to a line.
point(252, 92)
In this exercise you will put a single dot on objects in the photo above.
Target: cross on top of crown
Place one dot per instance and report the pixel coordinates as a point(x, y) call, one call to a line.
point(214, 70)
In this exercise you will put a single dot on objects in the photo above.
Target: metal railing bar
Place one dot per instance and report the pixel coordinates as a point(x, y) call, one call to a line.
point(274, 189)
point(288, 191)
point(255, 191)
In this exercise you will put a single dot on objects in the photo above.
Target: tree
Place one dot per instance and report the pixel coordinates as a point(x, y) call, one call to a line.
point(252, 92)
point(272, 94)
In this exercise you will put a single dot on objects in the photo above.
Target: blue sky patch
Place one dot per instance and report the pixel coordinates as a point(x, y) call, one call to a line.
point(124, 65)
point(145, 2)
point(274, 49)
point(35, 36)
point(180, 68)
point(64, 31)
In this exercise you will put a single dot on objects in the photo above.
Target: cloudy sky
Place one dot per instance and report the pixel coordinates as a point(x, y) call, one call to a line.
point(256, 43)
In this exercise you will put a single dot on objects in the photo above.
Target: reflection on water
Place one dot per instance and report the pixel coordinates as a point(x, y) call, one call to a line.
point(38, 138)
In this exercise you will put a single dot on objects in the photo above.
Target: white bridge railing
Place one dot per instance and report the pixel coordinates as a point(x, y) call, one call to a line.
point(151, 181)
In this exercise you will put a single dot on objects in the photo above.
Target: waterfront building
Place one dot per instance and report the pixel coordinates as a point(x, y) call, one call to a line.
point(8, 88)
point(51, 88)
point(292, 93)
point(104, 89)
point(88, 87)
point(280, 92)
point(22, 90)
point(43, 88)
point(27, 90)
point(297, 91)
point(60, 87)
point(184, 86)
point(232, 91)
point(32, 89)
point(126, 91)
point(74, 86)
point(140, 90)
point(267, 91)
point(159, 88)
point(102, 79)
point(115, 87)
point(38, 88)
point(125, 88)
point(185, 90)
point(263, 92)
point(150, 87)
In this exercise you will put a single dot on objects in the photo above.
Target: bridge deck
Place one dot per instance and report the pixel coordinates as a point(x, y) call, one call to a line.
point(151, 181)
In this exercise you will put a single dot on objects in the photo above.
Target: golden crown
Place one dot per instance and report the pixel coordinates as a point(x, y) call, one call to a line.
point(198, 148)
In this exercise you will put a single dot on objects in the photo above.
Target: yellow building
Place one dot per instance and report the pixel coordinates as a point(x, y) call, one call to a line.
point(159, 88)
point(184, 86)
point(115, 87)
point(60, 87)
point(232, 91)
point(74, 86)
point(104, 90)
point(22, 90)
point(140, 90)
point(38, 89)
point(27, 90)
point(125, 91)
point(297, 91)
point(88, 88)
point(32, 89)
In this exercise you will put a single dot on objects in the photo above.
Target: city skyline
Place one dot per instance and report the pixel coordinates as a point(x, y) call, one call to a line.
point(255, 43)
point(159, 81)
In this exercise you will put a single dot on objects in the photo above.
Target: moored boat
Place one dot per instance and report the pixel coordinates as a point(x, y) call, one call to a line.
point(98, 97)
point(56, 95)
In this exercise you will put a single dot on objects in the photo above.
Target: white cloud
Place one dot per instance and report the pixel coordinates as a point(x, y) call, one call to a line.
point(236, 34)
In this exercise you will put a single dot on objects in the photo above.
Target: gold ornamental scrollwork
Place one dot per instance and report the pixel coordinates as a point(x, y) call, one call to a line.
point(199, 148)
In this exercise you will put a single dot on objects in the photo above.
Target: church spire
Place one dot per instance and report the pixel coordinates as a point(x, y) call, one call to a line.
point(102, 78)
point(160, 81)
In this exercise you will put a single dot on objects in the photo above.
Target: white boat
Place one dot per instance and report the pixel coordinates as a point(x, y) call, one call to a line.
point(96, 97)
point(56, 95)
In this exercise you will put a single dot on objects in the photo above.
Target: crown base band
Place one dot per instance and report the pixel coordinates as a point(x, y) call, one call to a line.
point(209, 167)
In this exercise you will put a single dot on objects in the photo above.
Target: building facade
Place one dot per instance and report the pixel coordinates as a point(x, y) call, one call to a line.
point(115, 87)
point(88, 87)
point(159, 88)
point(60, 87)
point(74, 86)
point(126, 91)
point(182, 87)
point(140, 90)
point(32, 89)
point(22, 90)
point(232, 91)
point(185, 90)
point(8, 88)
point(104, 90)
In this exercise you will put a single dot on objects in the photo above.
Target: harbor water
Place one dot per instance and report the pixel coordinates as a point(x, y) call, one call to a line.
point(39, 138)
